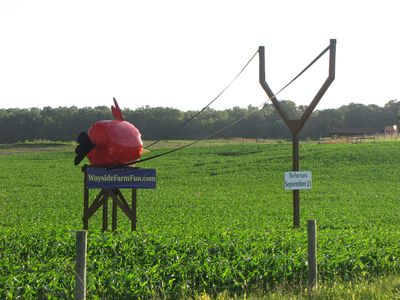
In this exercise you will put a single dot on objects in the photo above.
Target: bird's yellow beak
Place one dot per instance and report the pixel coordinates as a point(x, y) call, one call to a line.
point(145, 151)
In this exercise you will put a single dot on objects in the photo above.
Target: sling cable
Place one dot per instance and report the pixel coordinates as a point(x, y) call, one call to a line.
point(230, 124)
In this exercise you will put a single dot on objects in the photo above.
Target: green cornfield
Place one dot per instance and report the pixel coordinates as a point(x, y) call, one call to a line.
point(218, 222)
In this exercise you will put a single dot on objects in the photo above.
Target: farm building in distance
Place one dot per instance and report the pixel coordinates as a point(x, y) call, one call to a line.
point(391, 130)
point(352, 131)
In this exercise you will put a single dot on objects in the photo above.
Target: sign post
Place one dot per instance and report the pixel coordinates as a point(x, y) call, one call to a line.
point(296, 125)
point(110, 181)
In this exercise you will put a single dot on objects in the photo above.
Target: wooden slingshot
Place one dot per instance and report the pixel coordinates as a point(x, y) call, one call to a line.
point(296, 125)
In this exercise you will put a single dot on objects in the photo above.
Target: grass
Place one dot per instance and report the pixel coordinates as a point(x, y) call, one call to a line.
point(379, 288)
point(35, 146)
point(219, 224)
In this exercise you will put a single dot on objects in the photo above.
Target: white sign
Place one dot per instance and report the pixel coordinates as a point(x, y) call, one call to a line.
point(301, 180)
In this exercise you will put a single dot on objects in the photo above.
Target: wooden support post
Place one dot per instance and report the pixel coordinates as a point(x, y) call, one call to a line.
point(114, 216)
point(296, 193)
point(134, 202)
point(80, 277)
point(312, 253)
point(85, 202)
point(296, 209)
point(105, 213)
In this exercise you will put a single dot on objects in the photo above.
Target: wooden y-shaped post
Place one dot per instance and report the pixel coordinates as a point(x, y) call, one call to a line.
point(296, 125)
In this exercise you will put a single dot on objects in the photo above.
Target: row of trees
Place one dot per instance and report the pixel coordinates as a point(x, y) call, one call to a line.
point(65, 123)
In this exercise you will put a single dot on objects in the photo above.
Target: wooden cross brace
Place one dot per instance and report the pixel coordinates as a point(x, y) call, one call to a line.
point(118, 200)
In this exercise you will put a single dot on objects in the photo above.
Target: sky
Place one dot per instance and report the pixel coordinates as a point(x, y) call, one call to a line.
point(183, 53)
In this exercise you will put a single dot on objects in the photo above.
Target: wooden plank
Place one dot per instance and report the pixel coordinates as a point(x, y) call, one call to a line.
point(86, 215)
point(122, 199)
point(114, 216)
point(134, 202)
point(105, 214)
point(111, 194)
point(100, 198)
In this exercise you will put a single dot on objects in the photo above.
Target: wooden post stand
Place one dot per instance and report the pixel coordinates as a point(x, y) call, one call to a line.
point(80, 275)
point(312, 253)
point(110, 181)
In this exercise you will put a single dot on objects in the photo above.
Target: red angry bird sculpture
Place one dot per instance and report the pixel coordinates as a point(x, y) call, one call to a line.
point(110, 143)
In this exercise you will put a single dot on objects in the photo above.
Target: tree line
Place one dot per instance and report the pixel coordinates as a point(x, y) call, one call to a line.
point(65, 123)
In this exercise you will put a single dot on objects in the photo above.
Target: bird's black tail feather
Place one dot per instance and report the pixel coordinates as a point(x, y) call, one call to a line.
point(83, 148)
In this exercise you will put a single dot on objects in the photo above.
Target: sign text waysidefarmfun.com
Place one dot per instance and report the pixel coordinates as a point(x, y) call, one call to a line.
point(98, 178)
